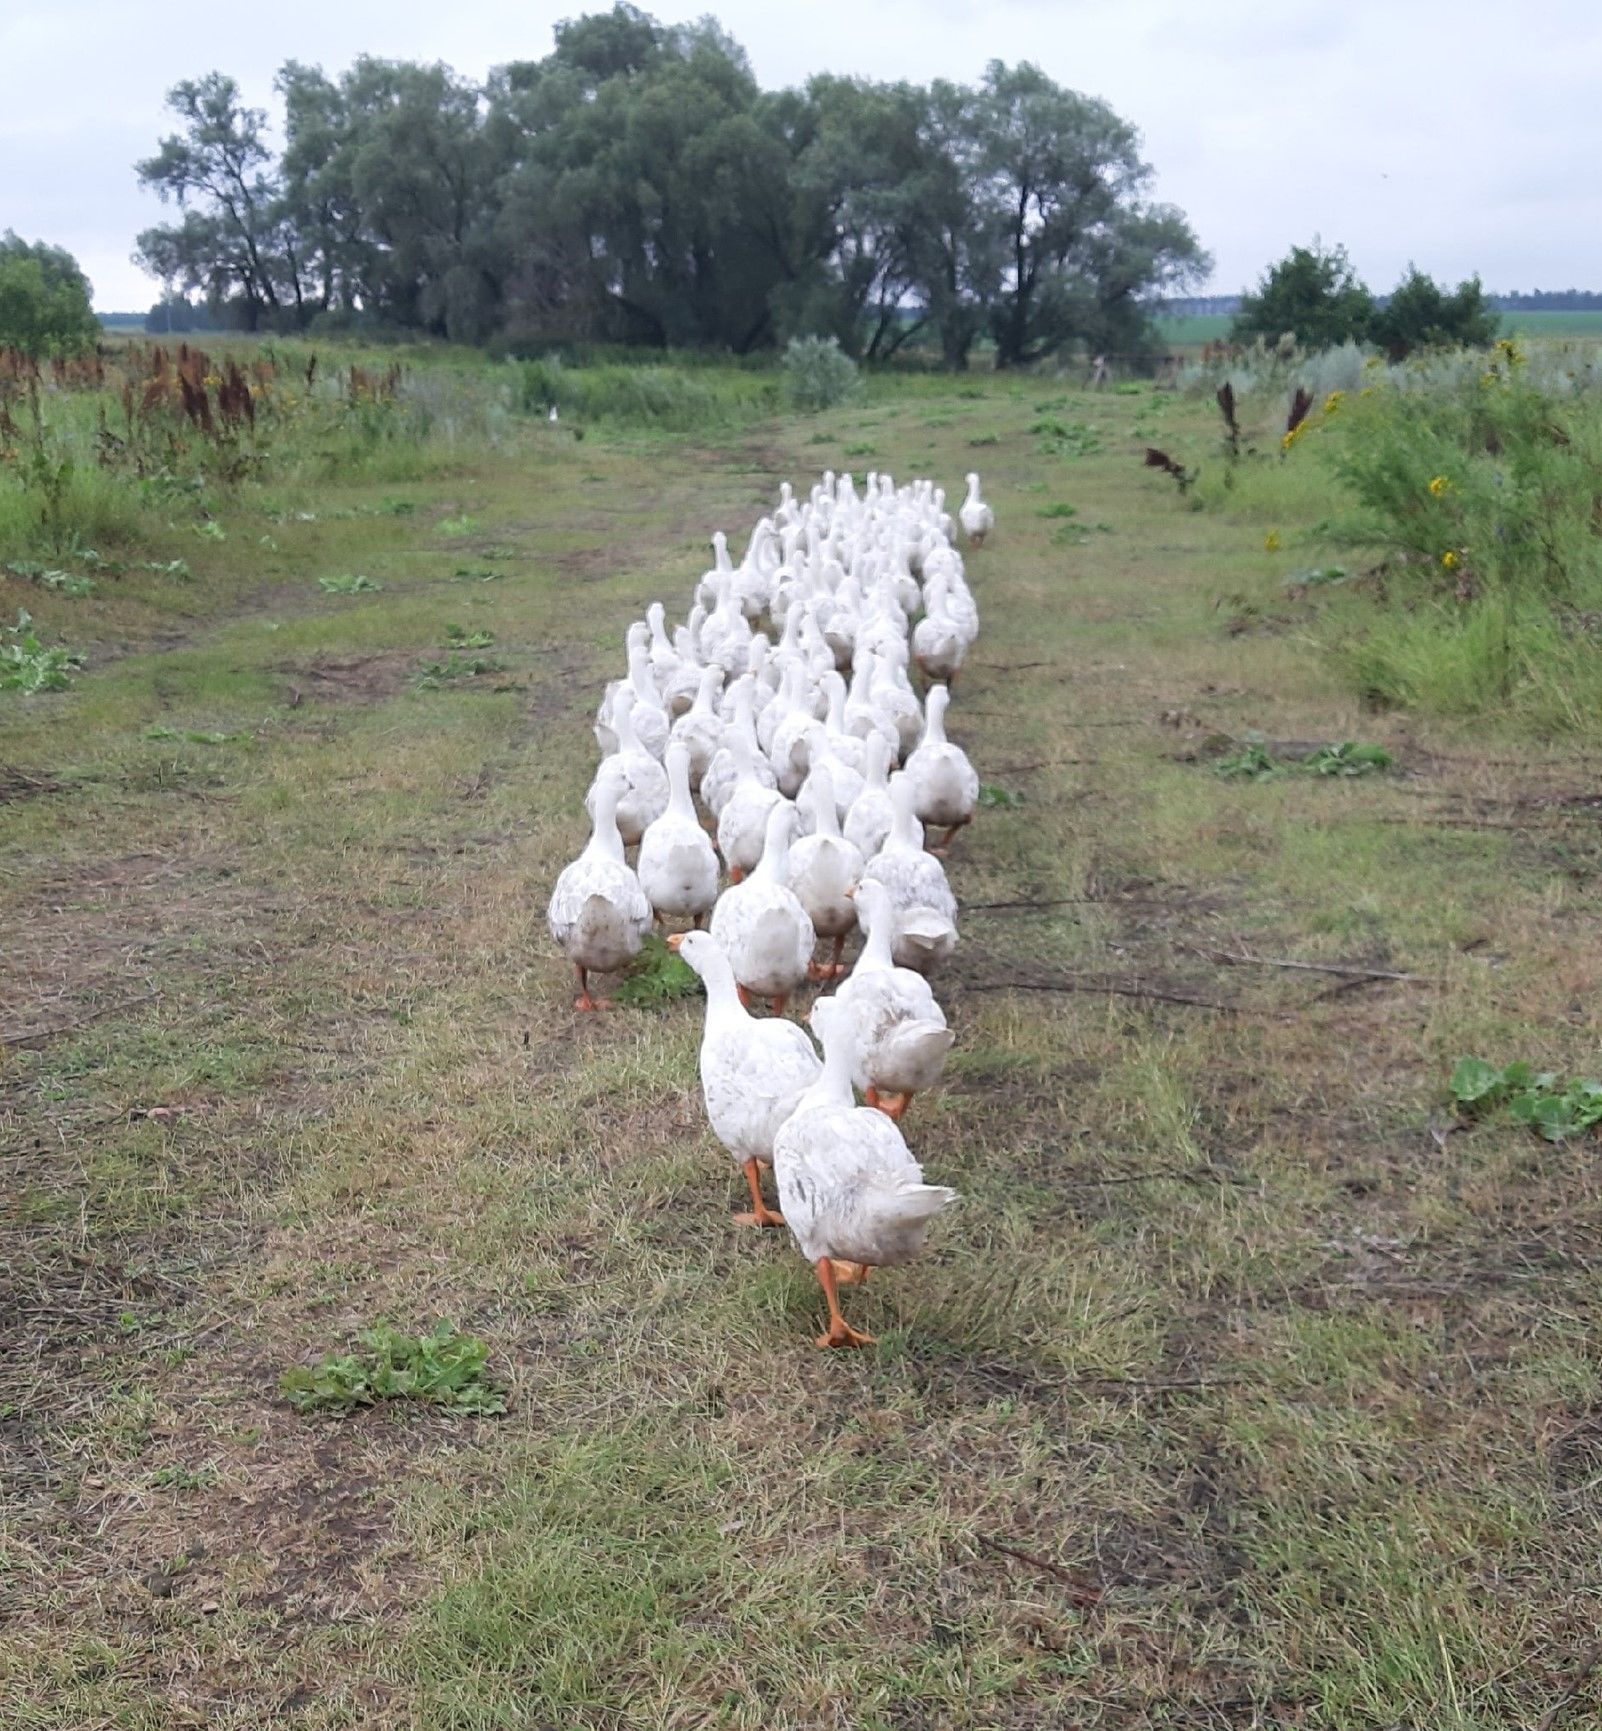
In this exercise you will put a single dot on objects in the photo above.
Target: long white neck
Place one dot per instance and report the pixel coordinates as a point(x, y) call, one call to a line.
point(775, 862)
point(605, 842)
point(723, 1006)
point(833, 1086)
point(820, 798)
point(678, 769)
point(934, 720)
point(905, 831)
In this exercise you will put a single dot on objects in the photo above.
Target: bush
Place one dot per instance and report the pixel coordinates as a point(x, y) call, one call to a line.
point(818, 374)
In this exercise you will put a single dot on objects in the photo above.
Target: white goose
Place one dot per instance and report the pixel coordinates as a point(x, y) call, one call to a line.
point(945, 784)
point(824, 869)
point(738, 752)
point(868, 821)
point(752, 1071)
point(976, 517)
point(926, 910)
point(763, 929)
point(743, 821)
point(598, 912)
point(700, 729)
point(851, 1192)
point(901, 1032)
point(677, 868)
point(643, 782)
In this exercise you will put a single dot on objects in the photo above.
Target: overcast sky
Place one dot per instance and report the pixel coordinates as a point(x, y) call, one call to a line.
point(1463, 134)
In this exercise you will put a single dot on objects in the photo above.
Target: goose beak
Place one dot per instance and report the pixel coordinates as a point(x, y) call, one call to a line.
point(851, 894)
point(674, 941)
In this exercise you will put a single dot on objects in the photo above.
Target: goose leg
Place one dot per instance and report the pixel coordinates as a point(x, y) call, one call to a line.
point(745, 996)
point(761, 1214)
point(736, 873)
point(779, 1001)
point(894, 1106)
point(841, 1333)
point(584, 1001)
point(849, 1273)
point(831, 969)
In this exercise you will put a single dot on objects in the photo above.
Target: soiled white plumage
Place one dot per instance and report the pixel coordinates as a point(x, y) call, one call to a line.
point(848, 1184)
point(945, 784)
point(677, 868)
point(901, 1033)
point(753, 1070)
point(763, 929)
point(926, 910)
point(598, 912)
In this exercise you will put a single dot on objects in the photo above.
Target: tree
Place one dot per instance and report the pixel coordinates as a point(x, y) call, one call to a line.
point(1421, 314)
point(1313, 294)
point(1059, 181)
point(235, 243)
point(44, 301)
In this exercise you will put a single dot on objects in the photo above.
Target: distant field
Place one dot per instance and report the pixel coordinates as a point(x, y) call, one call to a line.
point(1191, 330)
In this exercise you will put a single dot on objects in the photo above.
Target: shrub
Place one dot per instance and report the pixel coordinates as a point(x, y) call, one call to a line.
point(818, 373)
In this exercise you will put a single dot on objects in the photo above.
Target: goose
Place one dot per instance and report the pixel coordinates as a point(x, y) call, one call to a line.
point(713, 581)
point(677, 868)
point(926, 910)
point(945, 784)
point(763, 929)
point(643, 794)
point(824, 869)
point(700, 729)
point(902, 1037)
point(738, 751)
point(752, 1070)
point(976, 517)
point(938, 643)
point(726, 633)
point(743, 821)
point(847, 780)
point(871, 814)
point(598, 913)
point(852, 1194)
point(896, 704)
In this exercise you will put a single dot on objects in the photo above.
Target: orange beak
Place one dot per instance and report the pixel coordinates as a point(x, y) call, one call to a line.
point(674, 941)
point(851, 894)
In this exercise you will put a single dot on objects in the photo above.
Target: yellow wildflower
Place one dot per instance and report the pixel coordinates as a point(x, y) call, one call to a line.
point(1367, 391)
point(1438, 486)
point(1509, 350)
point(1451, 559)
point(1333, 401)
point(1271, 541)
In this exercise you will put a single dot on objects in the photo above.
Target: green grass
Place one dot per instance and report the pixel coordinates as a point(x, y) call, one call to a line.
point(1252, 1382)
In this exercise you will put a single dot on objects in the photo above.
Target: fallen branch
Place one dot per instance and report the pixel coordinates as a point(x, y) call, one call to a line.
point(32, 1036)
point(1078, 1592)
point(1347, 969)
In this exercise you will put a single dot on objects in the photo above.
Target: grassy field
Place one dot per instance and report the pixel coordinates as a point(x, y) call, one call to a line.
point(1193, 329)
point(1248, 1387)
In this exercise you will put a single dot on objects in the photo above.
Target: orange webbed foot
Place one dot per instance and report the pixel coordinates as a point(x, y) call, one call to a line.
point(849, 1273)
point(842, 1334)
point(764, 1216)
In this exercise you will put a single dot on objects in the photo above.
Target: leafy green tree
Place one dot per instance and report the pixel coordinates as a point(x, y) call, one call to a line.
point(1420, 314)
point(233, 242)
point(44, 301)
point(1312, 293)
point(1059, 181)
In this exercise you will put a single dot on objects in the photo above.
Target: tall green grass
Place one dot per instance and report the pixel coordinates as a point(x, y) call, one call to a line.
point(661, 397)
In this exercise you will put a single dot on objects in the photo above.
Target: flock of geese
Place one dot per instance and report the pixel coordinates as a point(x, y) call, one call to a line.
point(784, 704)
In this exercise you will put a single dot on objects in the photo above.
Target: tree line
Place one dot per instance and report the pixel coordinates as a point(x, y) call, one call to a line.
point(638, 186)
